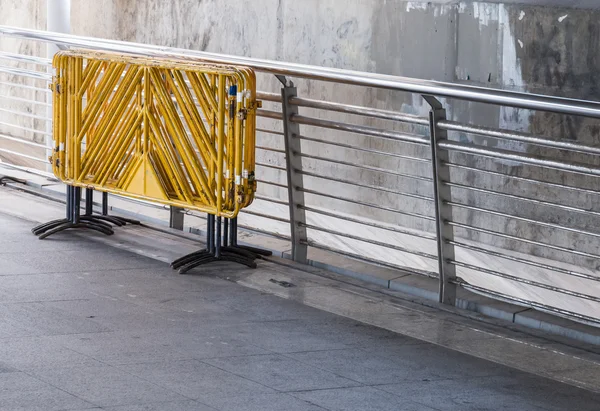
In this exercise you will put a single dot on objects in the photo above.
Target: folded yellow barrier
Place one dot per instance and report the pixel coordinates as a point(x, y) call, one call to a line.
point(174, 131)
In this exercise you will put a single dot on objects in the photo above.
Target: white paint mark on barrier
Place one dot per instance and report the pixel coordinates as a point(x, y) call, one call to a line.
point(560, 19)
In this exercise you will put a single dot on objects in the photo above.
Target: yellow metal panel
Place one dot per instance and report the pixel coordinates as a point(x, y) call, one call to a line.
point(175, 131)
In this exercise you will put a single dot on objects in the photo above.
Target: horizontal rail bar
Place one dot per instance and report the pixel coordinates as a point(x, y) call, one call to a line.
point(25, 100)
point(20, 113)
point(365, 204)
point(33, 130)
point(530, 304)
point(364, 150)
point(527, 159)
point(24, 86)
point(271, 200)
point(273, 166)
point(271, 149)
point(269, 114)
point(263, 95)
point(524, 240)
point(14, 153)
point(272, 183)
point(21, 141)
point(524, 219)
point(366, 130)
point(368, 223)
point(25, 58)
point(525, 281)
point(269, 217)
point(524, 179)
point(364, 167)
point(369, 241)
point(264, 130)
point(526, 199)
point(359, 110)
point(423, 87)
point(30, 170)
point(524, 261)
point(517, 136)
point(25, 73)
point(371, 187)
point(407, 270)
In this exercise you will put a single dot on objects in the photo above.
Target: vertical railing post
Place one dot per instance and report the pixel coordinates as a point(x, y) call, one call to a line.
point(176, 218)
point(443, 211)
point(293, 161)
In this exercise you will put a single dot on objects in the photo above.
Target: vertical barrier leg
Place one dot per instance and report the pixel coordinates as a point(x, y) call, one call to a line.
point(176, 218)
point(104, 203)
point(293, 160)
point(443, 211)
point(218, 239)
point(225, 232)
point(69, 205)
point(89, 201)
point(76, 204)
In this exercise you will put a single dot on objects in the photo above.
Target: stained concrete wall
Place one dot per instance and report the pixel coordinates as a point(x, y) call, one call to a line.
point(528, 47)
point(29, 14)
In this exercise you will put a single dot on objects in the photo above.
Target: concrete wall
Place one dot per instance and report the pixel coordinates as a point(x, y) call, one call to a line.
point(542, 49)
point(30, 14)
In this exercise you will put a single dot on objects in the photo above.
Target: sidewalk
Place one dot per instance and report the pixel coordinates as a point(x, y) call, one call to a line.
point(87, 326)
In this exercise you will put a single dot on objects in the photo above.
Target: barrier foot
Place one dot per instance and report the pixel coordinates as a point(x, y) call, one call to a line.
point(104, 229)
point(225, 256)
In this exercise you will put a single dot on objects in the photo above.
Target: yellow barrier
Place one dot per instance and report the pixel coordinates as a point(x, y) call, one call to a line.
point(177, 132)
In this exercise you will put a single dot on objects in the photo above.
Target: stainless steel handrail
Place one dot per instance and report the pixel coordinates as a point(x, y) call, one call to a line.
point(426, 87)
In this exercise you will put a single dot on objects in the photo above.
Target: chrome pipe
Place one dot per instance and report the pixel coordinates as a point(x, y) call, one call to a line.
point(263, 95)
point(271, 200)
point(411, 85)
point(523, 179)
point(365, 130)
point(364, 150)
point(269, 114)
point(527, 159)
point(32, 130)
point(368, 223)
point(25, 58)
point(22, 141)
point(272, 183)
point(24, 86)
point(14, 153)
point(401, 269)
point(261, 215)
point(271, 149)
point(525, 281)
point(526, 199)
point(530, 304)
point(273, 166)
point(518, 136)
point(371, 205)
point(369, 241)
point(264, 130)
point(371, 187)
point(20, 113)
point(359, 110)
point(524, 219)
point(25, 73)
point(364, 167)
point(25, 100)
point(524, 240)
point(525, 261)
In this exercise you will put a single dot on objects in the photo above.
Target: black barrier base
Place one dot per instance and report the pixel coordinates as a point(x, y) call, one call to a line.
point(89, 220)
point(222, 246)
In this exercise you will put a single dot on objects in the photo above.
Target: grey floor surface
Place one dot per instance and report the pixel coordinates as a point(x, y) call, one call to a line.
point(86, 326)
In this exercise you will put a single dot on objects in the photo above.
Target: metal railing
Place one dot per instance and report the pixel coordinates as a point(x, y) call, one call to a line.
point(507, 213)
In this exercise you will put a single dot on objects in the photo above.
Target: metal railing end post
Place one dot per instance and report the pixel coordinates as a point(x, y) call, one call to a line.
point(293, 160)
point(443, 211)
